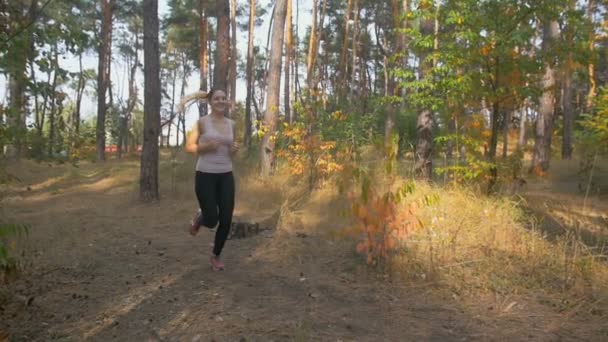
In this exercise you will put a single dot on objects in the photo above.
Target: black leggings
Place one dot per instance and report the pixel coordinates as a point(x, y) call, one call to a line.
point(215, 193)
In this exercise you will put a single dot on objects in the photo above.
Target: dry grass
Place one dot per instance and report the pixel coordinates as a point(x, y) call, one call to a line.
point(478, 245)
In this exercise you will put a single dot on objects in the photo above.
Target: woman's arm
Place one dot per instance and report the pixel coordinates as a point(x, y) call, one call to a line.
point(235, 146)
point(192, 140)
point(192, 144)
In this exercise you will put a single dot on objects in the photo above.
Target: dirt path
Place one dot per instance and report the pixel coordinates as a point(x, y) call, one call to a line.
point(105, 267)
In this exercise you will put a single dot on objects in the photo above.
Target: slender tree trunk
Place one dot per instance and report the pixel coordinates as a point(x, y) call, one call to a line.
point(505, 134)
point(148, 181)
point(423, 167)
point(222, 52)
point(45, 105)
point(353, 70)
point(568, 110)
point(203, 41)
point(103, 76)
point(313, 50)
point(544, 122)
point(312, 54)
point(52, 114)
point(344, 52)
point(173, 113)
point(495, 114)
point(250, 85)
point(234, 53)
point(392, 88)
point(274, 86)
point(79, 94)
point(523, 117)
point(210, 62)
point(591, 66)
point(19, 53)
point(182, 93)
point(288, 56)
point(296, 61)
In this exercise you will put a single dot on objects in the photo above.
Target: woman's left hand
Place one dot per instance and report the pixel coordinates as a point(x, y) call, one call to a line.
point(234, 148)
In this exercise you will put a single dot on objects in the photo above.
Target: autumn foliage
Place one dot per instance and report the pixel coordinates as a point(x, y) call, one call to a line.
point(382, 220)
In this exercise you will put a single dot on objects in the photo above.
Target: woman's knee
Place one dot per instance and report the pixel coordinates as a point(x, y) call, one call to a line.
point(210, 219)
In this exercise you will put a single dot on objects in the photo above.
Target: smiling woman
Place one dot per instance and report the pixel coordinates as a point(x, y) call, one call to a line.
point(212, 139)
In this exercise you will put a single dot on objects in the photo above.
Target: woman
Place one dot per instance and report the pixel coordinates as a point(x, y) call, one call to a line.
point(212, 138)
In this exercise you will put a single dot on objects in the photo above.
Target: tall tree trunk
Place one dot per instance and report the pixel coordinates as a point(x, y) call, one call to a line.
point(203, 37)
point(234, 53)
point(495, 115)
point(274, 85)
point(288, 56)
point(312, 54)
point(313, 49)
point(567, 99)
point(544, 123)
point(344, 51)
point(222, 51)
point(79, 94)
point(392, 88)
point(353, 70)
point(211, 62)
point(132, 100)
point(19, 54)
point(296, 61)
point(52, 114)
point(523, 117)
point(148, 181)
point(423, 167)
point(250, 85)
point(591, 66)
point(173, 113)
point(568, 109)
point(505, 134)
point(182, 93)
point(103, 80)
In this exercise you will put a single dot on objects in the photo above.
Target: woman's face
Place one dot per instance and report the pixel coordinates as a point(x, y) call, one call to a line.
point(218, 101)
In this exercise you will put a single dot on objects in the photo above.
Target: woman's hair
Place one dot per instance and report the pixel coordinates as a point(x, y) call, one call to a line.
point(201, 96)
point(210, 93)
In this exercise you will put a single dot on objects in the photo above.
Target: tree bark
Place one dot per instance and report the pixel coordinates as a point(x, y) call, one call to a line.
point(234, 53)
point(148, 181)
point(568, 109)
point(103, 75)
point(423, 167)
point(544, 123)
point(52, 114)
point(249, 98)
point(344, 51)
point(311, 45)
point(222, 52)
point(313, 49)
point(274, 84)
point(353, 70)
point(591, 66)
point(19, 54)
point(288, 56)
point(203, 40)
point(523, 118)
point(79, 95)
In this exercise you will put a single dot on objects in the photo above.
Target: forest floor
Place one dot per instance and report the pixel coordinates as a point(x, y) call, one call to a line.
point(101, 266)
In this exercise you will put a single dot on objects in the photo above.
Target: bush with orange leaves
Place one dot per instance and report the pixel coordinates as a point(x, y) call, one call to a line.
point(383, 215)
point(307, 153)
point(383, 220)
